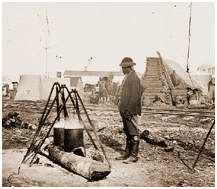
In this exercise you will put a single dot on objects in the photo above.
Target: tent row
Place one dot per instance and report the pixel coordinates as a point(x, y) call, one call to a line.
point(33, 87)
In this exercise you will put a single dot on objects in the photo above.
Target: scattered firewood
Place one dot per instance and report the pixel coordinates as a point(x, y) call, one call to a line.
point(157, 141)
point(153, 141)
point(13, 120)
point(93, 154)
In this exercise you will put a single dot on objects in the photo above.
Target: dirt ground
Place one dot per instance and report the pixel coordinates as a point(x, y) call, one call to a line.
point(155, 168)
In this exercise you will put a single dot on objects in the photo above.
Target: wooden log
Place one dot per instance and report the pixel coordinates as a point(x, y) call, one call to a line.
point(157, 141)
point(88, 168)
point(154, 141)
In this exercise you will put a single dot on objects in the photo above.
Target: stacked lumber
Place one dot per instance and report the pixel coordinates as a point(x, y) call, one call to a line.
point(153, 82)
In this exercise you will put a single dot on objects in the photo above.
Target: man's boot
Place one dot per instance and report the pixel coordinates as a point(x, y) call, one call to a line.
point(126, 152)
point(134, 150)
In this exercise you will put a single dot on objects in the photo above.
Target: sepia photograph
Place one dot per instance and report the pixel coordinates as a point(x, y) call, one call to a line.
point(108, 94)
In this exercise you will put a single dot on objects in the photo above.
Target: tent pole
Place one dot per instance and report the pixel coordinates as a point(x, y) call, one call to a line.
point(204, 143)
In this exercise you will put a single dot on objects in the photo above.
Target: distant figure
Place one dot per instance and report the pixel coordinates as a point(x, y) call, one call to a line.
point(189, 94)
point(106, 88)
point(101, 90)
point(115, 88)
point(5, 89)
point(110, 90)
point(97, 89)
point(129, 94)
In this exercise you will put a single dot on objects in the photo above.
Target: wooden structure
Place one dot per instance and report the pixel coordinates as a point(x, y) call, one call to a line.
point(156, 82)
point(166, 80)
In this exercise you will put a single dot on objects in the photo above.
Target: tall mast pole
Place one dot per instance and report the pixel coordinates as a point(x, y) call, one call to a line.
point(189, 37)
point(46, 72)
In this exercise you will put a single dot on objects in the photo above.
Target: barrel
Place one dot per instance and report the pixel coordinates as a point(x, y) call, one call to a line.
point(58, 136)
point(58, 133)
point(73, 138)
point(73, 135)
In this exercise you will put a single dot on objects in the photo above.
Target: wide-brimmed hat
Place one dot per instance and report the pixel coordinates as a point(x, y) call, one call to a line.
point(127, 62)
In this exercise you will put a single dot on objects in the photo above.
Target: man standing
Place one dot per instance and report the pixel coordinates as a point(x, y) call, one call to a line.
point(130, 93)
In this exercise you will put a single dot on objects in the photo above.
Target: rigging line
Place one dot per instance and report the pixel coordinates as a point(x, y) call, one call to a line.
point(189, 37)
point(191, 79)
point(47, 23)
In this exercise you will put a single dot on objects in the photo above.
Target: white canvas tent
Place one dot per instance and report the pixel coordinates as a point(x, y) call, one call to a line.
point(33, 87)
point(77, 83)
point(47, 84)
point(202, 79)
point(29, 88)
point(181, 74)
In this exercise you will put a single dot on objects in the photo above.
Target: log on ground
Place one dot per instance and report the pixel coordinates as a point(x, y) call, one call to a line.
point(157, 141)
point(88, 168)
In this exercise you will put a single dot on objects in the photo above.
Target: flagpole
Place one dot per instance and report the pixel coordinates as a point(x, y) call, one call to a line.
point(46, 72)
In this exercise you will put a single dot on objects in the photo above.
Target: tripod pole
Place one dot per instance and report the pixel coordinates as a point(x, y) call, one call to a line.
point(204, 143)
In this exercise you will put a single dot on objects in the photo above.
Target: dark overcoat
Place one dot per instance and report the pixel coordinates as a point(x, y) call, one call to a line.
point(131, 95)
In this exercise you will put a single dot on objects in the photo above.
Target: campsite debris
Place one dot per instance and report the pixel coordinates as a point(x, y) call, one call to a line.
point(94, 98)
point(99, 126)
point(153, 140)
point(201, 106)
point(168, 118)
point(148, 152)
point(159, 141)
point(93, 154)
point(160, 105)
point(207, 120)
point(188, 118)
point(13, 120)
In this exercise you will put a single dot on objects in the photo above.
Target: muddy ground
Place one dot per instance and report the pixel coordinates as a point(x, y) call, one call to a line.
point(155, 168)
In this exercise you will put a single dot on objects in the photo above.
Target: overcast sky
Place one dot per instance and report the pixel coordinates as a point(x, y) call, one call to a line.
point(105, 31)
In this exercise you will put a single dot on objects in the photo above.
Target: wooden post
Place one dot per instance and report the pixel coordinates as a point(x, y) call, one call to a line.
point(169, 81)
